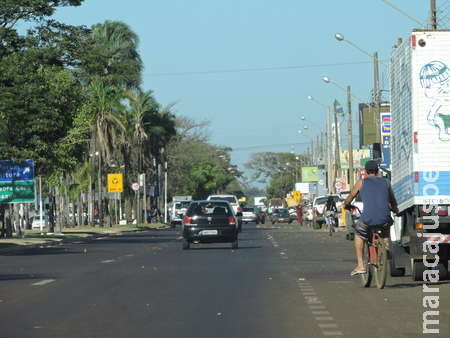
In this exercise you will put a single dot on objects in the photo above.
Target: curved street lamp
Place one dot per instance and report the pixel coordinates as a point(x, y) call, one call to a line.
point(340, 37)
point(329, 177)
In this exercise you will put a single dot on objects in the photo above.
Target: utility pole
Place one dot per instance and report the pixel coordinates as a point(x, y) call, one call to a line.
point(433, 18)
point(337, 158)
point(376, 90)
point(329, 165)
point(351, 181)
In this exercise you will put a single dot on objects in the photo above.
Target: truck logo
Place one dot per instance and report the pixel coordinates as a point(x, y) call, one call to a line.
point(435, 79)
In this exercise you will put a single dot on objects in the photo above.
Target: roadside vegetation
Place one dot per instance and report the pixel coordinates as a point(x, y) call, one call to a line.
point(71, 99)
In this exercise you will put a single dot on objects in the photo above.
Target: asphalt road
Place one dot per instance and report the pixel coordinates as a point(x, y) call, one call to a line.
point(283, 281)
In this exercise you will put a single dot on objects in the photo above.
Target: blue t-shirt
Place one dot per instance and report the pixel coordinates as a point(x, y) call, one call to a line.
point(375, 196)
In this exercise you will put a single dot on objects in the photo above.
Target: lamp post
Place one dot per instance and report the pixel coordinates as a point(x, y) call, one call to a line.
point(321, 134)
point(376, 88)
point(350, 131)
point(329, 178)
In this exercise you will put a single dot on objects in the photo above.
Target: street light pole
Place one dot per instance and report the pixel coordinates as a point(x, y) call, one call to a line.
point(351, 181)
point(329, 165)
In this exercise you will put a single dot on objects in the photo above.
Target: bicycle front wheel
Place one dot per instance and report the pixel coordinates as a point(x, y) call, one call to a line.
point(366, 278)
point(381, 263)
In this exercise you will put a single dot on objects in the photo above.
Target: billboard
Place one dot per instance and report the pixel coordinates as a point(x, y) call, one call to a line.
point(310, 174)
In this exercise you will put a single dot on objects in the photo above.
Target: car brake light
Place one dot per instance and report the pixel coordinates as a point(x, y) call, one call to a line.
point(231, 220)
point(187, 220)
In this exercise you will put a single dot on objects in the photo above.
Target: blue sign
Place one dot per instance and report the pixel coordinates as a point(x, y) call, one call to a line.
point(386, 149)
point(11, 171)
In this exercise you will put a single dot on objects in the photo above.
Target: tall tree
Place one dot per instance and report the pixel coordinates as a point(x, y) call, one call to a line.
point(124, 66)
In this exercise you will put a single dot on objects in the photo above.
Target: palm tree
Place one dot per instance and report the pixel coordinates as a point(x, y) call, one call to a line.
point(105, 106)
point(124, 66)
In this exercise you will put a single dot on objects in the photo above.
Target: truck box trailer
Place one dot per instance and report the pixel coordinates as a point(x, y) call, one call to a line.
point(420, 153)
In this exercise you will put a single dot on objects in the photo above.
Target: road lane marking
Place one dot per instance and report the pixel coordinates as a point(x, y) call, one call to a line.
point(328, 326)
point(319, 311)
point(43, 282)
point(108, 261)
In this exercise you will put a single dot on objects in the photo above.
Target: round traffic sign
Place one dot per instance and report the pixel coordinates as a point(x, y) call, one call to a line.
point(321, 181)
point(338, 185)
point(135, 186)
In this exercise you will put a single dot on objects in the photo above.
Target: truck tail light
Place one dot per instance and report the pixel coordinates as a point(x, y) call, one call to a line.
point(442, 211)
point(231, 220)
point(187, 221)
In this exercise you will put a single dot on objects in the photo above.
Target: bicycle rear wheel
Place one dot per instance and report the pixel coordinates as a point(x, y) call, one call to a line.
point(366, 278)
point(381, 263)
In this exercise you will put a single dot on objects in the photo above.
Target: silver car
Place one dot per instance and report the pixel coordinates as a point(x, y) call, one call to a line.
point(253, 214)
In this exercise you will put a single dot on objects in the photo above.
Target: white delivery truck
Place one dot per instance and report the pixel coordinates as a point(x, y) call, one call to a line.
point(420, 153)
point(179, 207)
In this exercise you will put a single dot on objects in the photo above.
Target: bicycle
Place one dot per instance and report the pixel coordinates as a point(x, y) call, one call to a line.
point(375, 259)
point(331, 223)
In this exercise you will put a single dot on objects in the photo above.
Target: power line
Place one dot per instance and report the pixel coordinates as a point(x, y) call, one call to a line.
point(258, 69)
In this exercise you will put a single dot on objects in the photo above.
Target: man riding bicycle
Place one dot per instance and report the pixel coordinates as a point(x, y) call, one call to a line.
point(379, 200)
point(329, 209)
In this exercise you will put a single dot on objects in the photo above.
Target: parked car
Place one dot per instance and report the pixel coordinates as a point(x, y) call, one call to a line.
point(352, 216)
point(281, 215)
point(36, 224)
point(253, 214)
point(308, 213)
point(233, 200)
point(318, 203)
point(212, 221)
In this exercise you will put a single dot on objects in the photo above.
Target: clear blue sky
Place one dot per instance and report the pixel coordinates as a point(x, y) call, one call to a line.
point(249, 65)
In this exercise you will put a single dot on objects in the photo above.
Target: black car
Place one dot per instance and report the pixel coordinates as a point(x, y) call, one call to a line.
point(211, 221)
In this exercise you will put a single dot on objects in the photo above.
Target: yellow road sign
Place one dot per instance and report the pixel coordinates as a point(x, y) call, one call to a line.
point(297, 195)
point(115, 183)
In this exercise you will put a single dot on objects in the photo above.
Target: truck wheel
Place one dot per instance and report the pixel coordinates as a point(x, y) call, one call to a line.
point(395, 272)
point(442, 267)
point(417, 269)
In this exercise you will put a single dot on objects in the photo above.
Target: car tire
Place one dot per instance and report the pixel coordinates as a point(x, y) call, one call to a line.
point(234, 245)
point(263, 221)
point(186, 244)
point(256, 221)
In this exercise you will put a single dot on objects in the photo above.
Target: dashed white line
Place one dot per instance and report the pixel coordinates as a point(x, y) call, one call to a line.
point(43, 282)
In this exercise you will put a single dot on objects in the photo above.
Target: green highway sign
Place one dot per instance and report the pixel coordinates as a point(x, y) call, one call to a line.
point(17, 181)
point(17, 192)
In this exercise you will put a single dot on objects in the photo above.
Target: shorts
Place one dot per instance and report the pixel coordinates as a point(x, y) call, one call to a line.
point(364, 232)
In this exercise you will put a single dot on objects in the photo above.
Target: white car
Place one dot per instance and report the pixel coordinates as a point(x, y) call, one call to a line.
point(318, 208)
point(234, 203)
point(36, 224)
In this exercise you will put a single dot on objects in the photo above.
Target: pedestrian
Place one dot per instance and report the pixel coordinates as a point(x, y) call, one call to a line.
point(155, 214)
point(300, 214)
point(379, 200)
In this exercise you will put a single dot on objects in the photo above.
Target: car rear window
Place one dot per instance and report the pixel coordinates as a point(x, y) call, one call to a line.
point(247, 209)
point(197, 209)
point(230, 199)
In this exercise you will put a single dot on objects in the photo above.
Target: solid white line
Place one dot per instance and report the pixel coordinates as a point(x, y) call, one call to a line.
point(45, 281)
point(108, 261)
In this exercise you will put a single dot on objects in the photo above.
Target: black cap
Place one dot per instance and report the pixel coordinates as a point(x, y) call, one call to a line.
point(371, 166)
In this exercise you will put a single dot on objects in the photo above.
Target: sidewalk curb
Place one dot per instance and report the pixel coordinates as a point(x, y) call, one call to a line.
point(55, 242)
